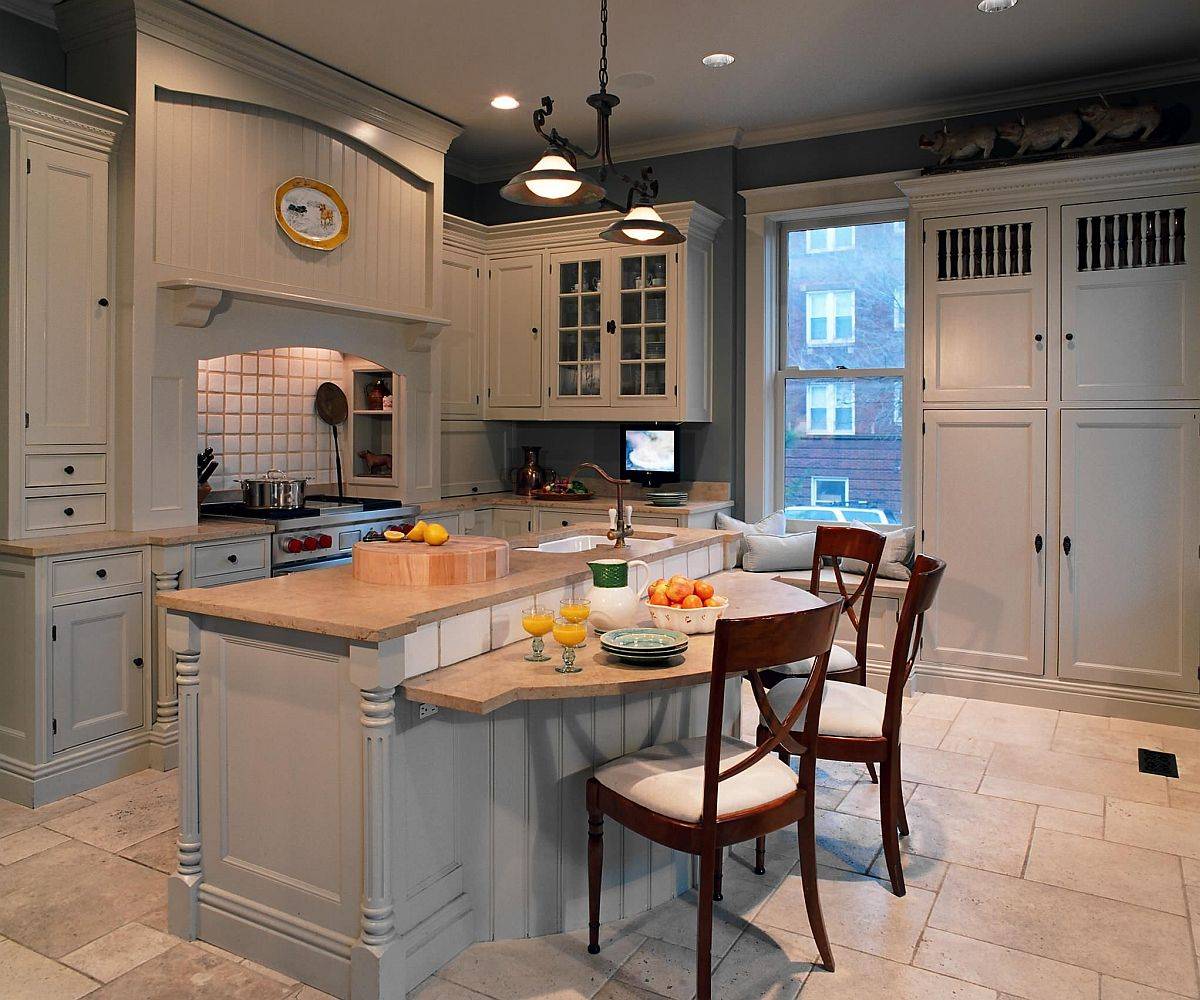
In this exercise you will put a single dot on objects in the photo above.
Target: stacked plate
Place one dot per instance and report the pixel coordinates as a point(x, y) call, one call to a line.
point(664, 498)
point(648, 647)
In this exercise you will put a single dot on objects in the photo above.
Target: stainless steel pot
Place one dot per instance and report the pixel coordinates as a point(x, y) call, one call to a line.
point(274, 491)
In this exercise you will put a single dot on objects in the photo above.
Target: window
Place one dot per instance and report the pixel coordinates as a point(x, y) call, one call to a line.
point(829, 317)
point(841, 371)
point(828, 240)
point(831, 408)
point(828, 491)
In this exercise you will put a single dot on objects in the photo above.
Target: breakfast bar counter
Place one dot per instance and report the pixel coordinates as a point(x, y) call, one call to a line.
point(372, 777)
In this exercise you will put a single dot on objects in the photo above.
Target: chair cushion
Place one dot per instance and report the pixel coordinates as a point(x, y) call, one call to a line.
point(840, 658)
point(669, 778)
point(846, 709)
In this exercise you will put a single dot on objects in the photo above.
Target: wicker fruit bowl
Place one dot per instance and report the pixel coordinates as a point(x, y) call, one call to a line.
point(689, 621)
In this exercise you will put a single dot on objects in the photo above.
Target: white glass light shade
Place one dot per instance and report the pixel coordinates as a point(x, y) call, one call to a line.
point(552, 188)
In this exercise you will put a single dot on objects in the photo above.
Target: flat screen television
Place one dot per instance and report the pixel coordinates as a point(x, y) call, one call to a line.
point(650, 453)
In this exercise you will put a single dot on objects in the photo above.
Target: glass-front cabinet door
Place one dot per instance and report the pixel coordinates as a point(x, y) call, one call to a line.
point(644, 372)
point(578, 353)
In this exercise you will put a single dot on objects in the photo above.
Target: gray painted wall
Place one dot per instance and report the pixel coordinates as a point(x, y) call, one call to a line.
point(713, 177)
point(30, 51)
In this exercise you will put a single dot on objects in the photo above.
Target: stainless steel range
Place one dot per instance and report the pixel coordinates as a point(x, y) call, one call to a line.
point(322, 532)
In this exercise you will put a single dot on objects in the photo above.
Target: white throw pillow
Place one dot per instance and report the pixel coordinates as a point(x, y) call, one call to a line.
point(779, 554)
point(898, 554)
point(772, 524)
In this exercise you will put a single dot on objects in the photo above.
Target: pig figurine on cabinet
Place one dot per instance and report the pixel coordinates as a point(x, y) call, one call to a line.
point(1120, 123)
point(949, 145)
point(1042, 134)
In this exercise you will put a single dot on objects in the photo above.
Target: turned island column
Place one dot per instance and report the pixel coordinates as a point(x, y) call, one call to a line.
point(183, 887)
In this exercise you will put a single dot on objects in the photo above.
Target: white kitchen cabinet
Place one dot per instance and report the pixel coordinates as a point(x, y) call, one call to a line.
point(985, 307)
point(1130, 300)
point(474, 455)
point(56, 309)
point(581, 348)
point(67, 306)
point(97, 669)
point(461, 344)
point(514, 332)
point(985, 513)
point(508, 522)
point(549, 519)
point(1129, 547)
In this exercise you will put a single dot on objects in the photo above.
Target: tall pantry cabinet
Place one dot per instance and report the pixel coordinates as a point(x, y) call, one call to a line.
point(56, 299)
point(1059, 311)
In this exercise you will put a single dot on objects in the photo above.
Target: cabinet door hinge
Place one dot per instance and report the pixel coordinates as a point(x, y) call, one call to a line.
point(54, 633)
point(54, 727)
point(28, 166)
point(922, 534)
point(922, 383)
point(547, 392)
point(922, 426)
point(26, 419)
point(677, 392)
point(489, 392)
point(923, 235)
point(676, 256)
point(477, 272)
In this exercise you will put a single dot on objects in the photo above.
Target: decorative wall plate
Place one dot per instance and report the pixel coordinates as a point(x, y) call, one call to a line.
point(312, 213)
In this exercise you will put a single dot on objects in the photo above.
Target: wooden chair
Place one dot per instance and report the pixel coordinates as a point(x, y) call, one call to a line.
point(833, 544)
point(703, 794)
point(862, 725)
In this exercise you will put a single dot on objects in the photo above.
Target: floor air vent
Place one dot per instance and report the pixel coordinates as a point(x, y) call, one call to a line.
point(1157, 762)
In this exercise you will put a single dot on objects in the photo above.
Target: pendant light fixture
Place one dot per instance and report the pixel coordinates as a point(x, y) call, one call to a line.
point(556, 180)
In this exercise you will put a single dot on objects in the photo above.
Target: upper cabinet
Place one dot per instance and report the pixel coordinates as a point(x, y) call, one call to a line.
point(461, 344)
point(1130, 300)
point(579, 329)
point(60, 301)
point(985, 307)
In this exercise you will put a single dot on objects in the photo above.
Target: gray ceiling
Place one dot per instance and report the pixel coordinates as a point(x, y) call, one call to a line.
point(798, 61)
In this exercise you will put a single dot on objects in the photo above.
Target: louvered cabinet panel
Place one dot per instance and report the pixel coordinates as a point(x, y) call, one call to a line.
point(1131, 300)
point(984, 280)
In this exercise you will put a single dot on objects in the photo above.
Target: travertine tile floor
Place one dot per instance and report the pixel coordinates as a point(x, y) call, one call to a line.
point(1042, 865)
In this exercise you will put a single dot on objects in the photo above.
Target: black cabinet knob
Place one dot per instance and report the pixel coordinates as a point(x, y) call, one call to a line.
point(69, 470)
point(1066, 545)
point(104, 303)
point(564, 524)
point(232, 559)
point(1037, 543)
point(1070, 336)
point(102, 573)
point(1037, 337)
point(69, 511)
point(138, 661)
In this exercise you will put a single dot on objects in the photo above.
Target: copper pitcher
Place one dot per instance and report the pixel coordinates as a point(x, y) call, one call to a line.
point(529, 478)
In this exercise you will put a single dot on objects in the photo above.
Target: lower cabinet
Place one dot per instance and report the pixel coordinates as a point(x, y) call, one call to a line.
point(508, 523)
point(97, 669)
point(1129, 551)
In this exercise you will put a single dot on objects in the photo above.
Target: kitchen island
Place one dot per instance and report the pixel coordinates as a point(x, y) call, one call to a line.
point(372, 778)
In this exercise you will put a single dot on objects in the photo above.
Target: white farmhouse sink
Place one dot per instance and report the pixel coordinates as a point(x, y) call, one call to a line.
point(634, 547)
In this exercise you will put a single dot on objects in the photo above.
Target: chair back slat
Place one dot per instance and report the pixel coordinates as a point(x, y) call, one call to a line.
point(754, 644)
point(833, 544)
point(918, 599)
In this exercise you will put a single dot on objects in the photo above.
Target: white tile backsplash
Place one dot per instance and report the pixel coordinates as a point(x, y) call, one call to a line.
point(256, 412)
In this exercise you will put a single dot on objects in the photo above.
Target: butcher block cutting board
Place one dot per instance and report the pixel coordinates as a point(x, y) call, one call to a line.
point(466, 559)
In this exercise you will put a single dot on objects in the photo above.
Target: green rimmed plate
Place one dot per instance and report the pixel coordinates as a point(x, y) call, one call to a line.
point(654, 642)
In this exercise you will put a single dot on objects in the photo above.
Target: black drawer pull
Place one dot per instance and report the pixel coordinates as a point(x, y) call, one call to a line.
point(138, 662)
point(69, 470)
point(102, 573)
point(564, 524)
point(1038, 337)
point(232, 559)
point(104, 303)
point(69, 511)
point(1070, 336)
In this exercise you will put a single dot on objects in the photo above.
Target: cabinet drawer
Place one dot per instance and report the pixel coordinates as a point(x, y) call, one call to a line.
point(666, 522)
point(64, 512)
point(103, 572)
point(64, 470)
point(548, 520)
point(222, 558)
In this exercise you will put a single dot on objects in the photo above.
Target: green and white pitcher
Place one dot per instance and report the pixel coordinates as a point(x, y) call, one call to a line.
point(615, 604)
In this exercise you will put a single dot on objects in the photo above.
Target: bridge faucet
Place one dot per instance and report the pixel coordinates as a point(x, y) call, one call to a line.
point(622, 529)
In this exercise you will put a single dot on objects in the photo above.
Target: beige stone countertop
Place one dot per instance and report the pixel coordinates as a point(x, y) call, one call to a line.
point(491, 681)
point(332, 602)
point(452, 505)
point(103, 541)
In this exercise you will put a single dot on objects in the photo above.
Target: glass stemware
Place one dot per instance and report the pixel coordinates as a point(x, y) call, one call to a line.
point(537, 621)
point(575, 610)
point(569, 635)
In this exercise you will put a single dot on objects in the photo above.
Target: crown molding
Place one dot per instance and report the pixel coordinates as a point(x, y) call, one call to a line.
point(990, 102)
point(51, 113)
point(1115, 172)
point(41, 11)
point(808, 195)
point(564, 231)
point(84, 23)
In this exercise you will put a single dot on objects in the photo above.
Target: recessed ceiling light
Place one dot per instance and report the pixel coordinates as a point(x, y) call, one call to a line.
point(717, 60)
point(995, 6)
point(505, 102)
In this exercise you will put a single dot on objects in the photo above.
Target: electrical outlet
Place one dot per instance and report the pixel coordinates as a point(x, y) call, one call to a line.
point(424, 710)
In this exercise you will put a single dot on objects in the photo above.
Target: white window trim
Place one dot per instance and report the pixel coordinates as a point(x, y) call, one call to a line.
point(812, 490)
point(831, 295)
point(868, 198)
point(831, 427)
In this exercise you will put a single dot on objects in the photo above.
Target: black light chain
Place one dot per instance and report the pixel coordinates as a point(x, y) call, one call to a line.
point(603, 46)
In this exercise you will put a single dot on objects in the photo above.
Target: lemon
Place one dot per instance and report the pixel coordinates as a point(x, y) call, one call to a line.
point(435, 534)
point(394, 536)
point(418, 532)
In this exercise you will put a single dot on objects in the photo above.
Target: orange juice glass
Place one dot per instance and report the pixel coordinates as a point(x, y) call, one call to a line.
point(575, 610)
point(569, 635)
point(537, 621)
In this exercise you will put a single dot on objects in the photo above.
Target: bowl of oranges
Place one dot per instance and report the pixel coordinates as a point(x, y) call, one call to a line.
point(685, 605)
